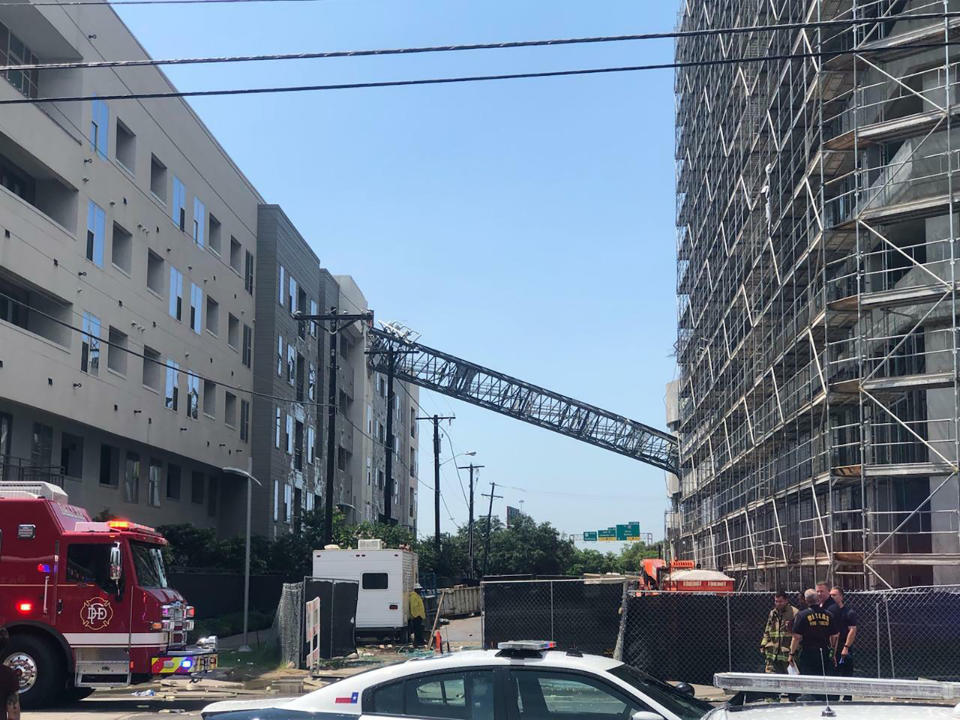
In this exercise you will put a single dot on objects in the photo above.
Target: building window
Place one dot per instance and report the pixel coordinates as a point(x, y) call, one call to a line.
point(289, 435)
point(154, 473)
point(193, 396)
point(158, 178)
point(235, 254)
point(213, 316)
point(213, 236)
point(199, 220)
point(413, 502)
point(300, 377)
point(341, 458)
point(197, 480)
point(212, 497)
point(314, 310)
point(178, 212)
point(117, 351)
point(233, 331)
point(99, 127)
point(210, 398)
point(247, 345)
point(311, 444)
point(248, 272)
point(196, 308)
point(126, 147)
point(369, 419)
point(14, 52)
point(279, 355)
point(298, 446)
point(413, 462)
point(287, 503)
point(131, 478)
point(152, 369)
point(171, 395)
point(245, 421)
point(109, 465)
point(155, 272)
point(380, 479)
point(281, 286)
point(96, 229)
point(90, 344)
point(291, 364)
point(277, 428)
point(173, 482)
point(121, 250)
point(176, 294)
point(230, 409)
point(276, 500)
point(312, 382)
point(292, 296)
point(71, 455)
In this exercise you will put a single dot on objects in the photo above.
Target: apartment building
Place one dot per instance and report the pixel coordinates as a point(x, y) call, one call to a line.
point(817, 345)
point(127, 250)
point(362, 448)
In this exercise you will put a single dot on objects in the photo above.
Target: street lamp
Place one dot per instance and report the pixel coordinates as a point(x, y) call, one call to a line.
point(471, 453)
point(246, 560)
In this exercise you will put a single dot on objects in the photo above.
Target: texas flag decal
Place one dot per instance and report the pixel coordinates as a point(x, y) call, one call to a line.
point(352, 700)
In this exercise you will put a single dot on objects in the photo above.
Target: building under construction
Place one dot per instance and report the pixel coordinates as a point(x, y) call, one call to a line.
point(817, 190)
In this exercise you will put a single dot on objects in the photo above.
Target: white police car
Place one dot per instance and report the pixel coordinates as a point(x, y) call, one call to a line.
point(872, 698)
point(525, 680)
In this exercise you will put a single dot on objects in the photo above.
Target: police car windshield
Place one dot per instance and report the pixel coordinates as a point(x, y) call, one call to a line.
point(681, 704)
point(148, 561)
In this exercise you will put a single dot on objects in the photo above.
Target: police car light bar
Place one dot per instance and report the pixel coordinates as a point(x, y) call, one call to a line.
point(813, 685)
point(527, 645)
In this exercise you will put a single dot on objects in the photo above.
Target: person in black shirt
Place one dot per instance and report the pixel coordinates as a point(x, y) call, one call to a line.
point(9, 684)
point(846, 625)
point(824, 597)
point(813, 628)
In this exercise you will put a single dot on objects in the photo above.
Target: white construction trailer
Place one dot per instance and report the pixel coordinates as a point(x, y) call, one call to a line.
point(385, 579)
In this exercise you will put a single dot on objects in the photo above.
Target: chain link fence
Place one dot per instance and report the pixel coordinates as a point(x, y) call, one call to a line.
point(288, 624)
point(577, 614)
point(902, 633)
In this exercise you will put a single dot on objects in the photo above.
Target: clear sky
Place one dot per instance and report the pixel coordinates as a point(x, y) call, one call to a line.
point(526, 225)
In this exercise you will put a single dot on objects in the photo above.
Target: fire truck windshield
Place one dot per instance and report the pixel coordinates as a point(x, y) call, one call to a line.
point(148, 561)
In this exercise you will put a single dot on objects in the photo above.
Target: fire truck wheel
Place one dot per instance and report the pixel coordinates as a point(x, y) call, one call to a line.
point(41, 670)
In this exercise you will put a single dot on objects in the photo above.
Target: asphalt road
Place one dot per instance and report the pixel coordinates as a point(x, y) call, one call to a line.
point(126, 708)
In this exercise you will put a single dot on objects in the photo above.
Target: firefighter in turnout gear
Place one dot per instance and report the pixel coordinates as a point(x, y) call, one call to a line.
point(777, 634)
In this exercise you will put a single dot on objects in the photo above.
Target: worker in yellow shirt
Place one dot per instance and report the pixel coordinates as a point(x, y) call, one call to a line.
point(418, 615)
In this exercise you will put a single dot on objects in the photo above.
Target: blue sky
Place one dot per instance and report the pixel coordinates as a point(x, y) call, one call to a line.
point(525, 225)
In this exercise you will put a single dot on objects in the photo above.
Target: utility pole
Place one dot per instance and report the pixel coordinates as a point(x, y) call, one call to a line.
point(471, 467)
point(436, 477)
point(338, 322)
point(486, 544)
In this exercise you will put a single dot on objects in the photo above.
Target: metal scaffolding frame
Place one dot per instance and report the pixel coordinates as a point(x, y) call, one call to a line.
point(817, 293)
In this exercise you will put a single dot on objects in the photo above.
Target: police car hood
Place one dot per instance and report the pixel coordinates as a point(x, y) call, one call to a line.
point(229, 706)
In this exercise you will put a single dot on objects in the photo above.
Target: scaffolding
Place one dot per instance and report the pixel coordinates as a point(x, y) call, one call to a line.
point(817, 292)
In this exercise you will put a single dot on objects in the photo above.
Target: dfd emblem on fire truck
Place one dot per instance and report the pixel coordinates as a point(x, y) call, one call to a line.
point(96, 613)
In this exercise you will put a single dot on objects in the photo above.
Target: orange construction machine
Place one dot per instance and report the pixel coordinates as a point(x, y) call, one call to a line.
point(683, 576)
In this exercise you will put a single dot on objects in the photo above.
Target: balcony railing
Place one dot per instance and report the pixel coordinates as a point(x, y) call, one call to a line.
point(22, 470)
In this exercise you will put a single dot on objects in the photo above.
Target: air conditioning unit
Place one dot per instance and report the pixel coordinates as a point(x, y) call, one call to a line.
point(370, 544)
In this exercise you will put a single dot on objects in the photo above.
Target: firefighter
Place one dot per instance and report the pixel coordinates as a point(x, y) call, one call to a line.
point(777, 634)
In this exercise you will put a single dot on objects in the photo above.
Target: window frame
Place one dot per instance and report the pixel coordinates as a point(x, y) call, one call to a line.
point(511, 712)
point(497, 675)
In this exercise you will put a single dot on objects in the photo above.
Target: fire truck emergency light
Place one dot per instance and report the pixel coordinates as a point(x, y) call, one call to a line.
point(25, 608)
point(43, 568)
point(119, 524)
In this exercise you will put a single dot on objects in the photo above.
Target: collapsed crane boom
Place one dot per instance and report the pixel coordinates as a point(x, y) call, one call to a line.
point(472, 383)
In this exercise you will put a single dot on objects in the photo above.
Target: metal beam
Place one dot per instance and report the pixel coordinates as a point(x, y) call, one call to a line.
point(472, 383)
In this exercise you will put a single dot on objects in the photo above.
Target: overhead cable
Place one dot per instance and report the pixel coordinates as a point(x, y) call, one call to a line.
point(556, 42)
point(461, 79)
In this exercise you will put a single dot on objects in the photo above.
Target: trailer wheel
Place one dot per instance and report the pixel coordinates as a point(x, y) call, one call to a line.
point(41, 670)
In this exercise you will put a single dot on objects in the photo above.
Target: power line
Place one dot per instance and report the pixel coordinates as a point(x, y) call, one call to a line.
point(466, 78)
point(453, 456)
point(553, 42)
point(79, 3)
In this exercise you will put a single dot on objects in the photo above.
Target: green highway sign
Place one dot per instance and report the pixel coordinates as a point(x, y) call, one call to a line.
point(626, 532)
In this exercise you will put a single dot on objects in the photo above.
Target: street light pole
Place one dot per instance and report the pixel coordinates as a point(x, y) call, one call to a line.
point(246, 559)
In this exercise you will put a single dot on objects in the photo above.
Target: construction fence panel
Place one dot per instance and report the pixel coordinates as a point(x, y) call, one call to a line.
point(901, 633)
point(579, 614)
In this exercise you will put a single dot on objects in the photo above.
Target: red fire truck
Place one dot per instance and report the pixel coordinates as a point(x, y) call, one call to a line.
point(87, 604)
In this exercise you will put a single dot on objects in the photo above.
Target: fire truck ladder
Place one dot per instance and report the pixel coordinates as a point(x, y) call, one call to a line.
point(472, 383)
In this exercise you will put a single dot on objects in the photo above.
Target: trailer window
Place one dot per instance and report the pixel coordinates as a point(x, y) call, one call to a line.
point(374, 581)
point(148, 561)
point(89, 563)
